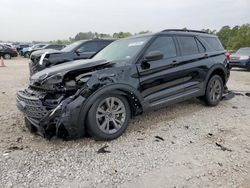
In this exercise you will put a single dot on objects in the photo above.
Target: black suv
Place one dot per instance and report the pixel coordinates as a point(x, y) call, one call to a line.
point(83, 49)
point(127, 78)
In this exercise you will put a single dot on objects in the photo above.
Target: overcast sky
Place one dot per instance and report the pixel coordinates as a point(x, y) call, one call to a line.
point(44, 20)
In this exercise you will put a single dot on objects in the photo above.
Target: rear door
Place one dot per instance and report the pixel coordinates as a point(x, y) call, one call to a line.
point(161, 81)
point(194, 63)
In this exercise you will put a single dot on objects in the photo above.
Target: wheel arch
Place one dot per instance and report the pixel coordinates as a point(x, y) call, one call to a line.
point(132, 95)
point(219, 70)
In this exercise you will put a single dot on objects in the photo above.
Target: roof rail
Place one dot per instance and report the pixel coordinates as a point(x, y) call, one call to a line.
point(184, 30)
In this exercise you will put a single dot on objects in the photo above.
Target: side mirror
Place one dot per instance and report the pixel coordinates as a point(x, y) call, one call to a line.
point(154, 56)
point(78, 51)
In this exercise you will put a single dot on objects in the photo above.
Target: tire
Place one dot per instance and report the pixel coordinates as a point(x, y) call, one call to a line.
point(30, 127)
point(27, 55)
point(7, 56)
point(106, 126)
point(214, 91)
point(248, 67)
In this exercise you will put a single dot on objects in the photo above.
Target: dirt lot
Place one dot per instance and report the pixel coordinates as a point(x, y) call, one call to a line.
point(196, 146)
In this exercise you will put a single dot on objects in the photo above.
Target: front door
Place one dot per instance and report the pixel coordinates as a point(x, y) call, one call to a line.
point(161, 80)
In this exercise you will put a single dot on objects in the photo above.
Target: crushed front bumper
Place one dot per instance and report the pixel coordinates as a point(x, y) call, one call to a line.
point(59, 120)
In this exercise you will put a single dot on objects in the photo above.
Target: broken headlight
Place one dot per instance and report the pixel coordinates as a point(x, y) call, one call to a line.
point(53, 79)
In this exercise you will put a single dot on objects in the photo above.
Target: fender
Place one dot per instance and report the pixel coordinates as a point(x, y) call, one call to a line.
point(118, 88)
point(216, 67)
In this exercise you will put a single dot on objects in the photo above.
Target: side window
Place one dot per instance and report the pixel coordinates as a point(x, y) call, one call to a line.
point(88, 47)
point(188, 45)
point(214, 43)
point(102, 44)
point(1, 48)
point(56, 47)
point(200, 46)
point(164, 44)
point(49, 47)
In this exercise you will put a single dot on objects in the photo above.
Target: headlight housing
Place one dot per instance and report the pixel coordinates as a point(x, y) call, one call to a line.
point(244, 57)
point(53, 79)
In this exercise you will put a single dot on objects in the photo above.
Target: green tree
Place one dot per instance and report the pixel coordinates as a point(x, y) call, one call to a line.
point(236, 37)
point(122, 35)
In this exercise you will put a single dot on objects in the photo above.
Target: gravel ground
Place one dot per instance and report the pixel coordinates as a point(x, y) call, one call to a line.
point(184, 145)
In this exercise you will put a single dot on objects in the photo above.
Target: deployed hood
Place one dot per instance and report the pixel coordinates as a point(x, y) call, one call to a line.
point(48, 51)
point(64, 68)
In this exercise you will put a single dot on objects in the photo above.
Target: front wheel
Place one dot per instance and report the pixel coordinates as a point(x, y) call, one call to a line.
point(7, 56)
point(214, 91)
point(108, 117)
point(27, 55)
point(248, 67)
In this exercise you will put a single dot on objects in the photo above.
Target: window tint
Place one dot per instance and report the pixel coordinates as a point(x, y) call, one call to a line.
point(102, 44)
point(48, 47)
point(188, 45)
point(213, 42)
point(165, 45)
point(55, 47)
point(88, 47)
point(200, 46)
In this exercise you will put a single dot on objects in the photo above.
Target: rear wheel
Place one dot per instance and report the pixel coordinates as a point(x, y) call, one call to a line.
point(214, 91)
point(7, 56)
point(108, 117)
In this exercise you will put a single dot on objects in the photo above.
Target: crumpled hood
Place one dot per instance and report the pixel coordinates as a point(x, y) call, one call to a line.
point(48, 51)
point(64, 68)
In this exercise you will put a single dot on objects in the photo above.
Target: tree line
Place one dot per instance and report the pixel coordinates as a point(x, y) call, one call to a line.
point(231, 38)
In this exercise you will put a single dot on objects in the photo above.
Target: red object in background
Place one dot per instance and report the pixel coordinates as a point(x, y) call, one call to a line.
point(228, 56)
point(14, 49)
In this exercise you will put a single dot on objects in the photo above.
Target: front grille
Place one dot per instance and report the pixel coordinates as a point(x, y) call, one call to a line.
point(35, 59)
point(30, 104)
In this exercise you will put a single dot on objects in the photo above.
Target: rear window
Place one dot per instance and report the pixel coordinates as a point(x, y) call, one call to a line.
point(188, 45)
point(214, 43)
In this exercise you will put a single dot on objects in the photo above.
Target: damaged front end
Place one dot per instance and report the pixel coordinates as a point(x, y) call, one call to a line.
point(52, 103)
point(50, 117)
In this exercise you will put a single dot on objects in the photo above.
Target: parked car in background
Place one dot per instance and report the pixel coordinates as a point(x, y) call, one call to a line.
point(20, 47)
point(9, 45)
point(27, 51)
point(45, 47)
point(84, 49)
point(241, 58)
point(128, 77)
point(7, 52)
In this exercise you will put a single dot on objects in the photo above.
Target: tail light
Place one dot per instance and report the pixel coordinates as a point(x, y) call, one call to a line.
point(228, 56)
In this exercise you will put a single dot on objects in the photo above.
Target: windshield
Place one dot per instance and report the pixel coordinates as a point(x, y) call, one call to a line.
point(243, 51)
point(124, 49)
point(71, 47)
